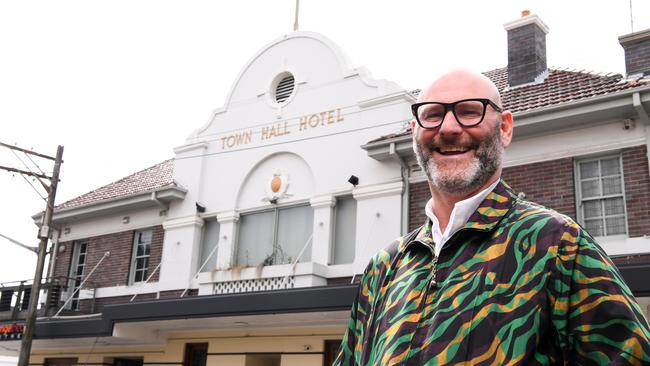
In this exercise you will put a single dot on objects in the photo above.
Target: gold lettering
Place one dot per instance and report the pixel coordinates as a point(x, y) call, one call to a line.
point(339, 117)
point(285, 129)
point(303, 123)
point(330, 117)
point(277, 130)
point(237, 139)
point(322, 118)
point(231, 141)
point(313, 120)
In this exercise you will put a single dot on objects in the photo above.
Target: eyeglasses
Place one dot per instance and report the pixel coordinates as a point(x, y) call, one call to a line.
point(468, 112)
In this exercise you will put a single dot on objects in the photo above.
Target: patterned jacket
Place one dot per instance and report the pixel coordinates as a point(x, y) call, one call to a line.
point(519, 284)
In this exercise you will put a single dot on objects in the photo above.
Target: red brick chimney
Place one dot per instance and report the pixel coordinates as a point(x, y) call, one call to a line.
point(637, 53)
point(526, 49)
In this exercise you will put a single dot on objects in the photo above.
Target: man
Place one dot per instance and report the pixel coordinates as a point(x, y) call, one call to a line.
point(490, 279)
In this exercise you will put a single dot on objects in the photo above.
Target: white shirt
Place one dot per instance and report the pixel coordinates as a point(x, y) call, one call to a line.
point(459, 216)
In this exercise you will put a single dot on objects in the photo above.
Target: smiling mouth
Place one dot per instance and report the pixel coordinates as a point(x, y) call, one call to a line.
point(452, 150)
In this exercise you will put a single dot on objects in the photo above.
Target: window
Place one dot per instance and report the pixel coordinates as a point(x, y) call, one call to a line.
point(209, 245)
point(600, 196)
point(196, 354)
point(331, 351)
point(77, 268)
point(140, 257)
point(60, 361)
point(345, 224)
point(127, 361)
point(276, 236)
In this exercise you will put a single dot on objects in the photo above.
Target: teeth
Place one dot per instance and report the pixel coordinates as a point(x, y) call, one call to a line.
point(453, 149)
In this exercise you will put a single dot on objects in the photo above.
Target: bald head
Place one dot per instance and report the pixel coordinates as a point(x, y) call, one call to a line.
point(460, 84)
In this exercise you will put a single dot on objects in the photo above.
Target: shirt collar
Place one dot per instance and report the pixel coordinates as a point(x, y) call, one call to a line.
point(459, 215)
point(487, 215)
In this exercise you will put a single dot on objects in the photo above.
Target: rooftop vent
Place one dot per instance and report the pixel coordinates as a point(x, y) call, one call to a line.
point(285, 87)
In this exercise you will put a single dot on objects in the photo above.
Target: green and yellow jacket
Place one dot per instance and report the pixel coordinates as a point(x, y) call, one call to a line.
point(519, 284)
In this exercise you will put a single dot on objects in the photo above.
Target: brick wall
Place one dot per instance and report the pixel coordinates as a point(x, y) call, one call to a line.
point(637, 190)
point(637, 52)
point(549, 183)
point(62, 261)
point(526, 54)
point(114, 270)
point(419, 194)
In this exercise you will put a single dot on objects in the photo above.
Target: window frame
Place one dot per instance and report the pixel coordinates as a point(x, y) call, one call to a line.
point(334, 228)
point(204, 237)
point(74, 279)
point(275, 209)
point(134, 257)
point(579, 200)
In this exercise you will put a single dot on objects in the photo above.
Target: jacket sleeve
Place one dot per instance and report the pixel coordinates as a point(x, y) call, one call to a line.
point(352, 342)
point(597, 319)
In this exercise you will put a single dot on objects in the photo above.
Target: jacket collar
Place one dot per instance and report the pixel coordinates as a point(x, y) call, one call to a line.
point(488, 214)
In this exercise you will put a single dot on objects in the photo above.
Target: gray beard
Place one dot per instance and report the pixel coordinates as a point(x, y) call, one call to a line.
point(486, 162)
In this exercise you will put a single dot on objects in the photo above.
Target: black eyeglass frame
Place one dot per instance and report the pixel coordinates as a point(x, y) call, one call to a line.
point(452, 106)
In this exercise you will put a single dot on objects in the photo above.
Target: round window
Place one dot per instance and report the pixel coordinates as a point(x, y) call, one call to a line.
point(284, 87)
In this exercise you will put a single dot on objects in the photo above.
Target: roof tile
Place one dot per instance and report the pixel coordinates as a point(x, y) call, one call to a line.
point(157, 176)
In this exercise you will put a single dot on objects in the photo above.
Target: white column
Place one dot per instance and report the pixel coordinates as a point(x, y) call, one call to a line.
point(322, 240)
point(227, 239)
point(378, 219)
point(181, 250)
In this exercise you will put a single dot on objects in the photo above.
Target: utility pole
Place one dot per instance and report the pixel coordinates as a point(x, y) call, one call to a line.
point(43, 235)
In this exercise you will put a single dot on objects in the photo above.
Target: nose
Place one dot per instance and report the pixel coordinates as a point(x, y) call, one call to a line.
point(450, 125)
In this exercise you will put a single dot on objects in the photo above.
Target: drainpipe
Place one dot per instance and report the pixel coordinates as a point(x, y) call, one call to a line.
point(643, 116)
point(405, 173)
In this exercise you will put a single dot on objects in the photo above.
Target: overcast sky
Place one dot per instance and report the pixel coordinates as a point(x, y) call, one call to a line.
point(121, 83)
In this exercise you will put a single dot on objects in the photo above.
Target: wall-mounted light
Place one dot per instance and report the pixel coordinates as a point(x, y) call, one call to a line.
point(628, 124)
point(61, 248)
point(126, 219)
point(354, 180)
point(66, 230)
point(200, 208)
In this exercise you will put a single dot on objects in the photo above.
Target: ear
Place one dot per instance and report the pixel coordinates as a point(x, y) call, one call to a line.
point(413, 126)
point(506, 128)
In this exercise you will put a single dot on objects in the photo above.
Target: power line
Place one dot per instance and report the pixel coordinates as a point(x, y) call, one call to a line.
point(26, 151)
point(33, 162)
point(29, 170)
point(34, 188)
point(31, 174)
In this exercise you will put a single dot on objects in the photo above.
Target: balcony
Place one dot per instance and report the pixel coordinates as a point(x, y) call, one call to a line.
point(54, 293)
